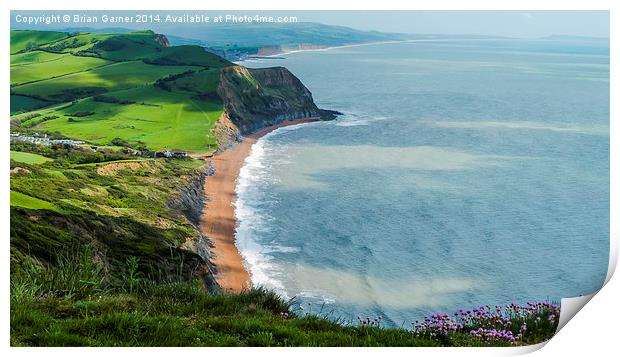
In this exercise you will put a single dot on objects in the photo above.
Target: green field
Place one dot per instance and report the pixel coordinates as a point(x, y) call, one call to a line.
point(116, 76)
point(20, 103)
point(187, 55)
point(54, 66)
point(24, 39)
point(33, 57)
point(72, 44)
point(21, 200)
point(28, 158)
point(201, 82)
point(160, 119)
point(98, 87)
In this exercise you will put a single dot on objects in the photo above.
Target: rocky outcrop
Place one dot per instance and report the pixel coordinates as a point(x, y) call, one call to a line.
point(257, 98)
point(191, 201)
point(162, 40)
point(226, 132)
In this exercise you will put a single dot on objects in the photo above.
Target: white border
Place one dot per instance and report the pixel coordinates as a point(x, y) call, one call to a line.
point(591, 331)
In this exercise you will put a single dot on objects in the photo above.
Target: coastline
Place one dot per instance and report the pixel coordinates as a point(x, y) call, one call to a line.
point(327, 48)
point(218, 220)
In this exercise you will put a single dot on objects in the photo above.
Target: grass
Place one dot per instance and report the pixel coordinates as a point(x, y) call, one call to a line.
point(32, 57)
point(197, 319)
point(25, 39)
point(188, 55)
point(113, 77)
point(157, 118)
point(200, 82)
point(71, 304)
point(20, 103)
point(21, 200)
point(50, 66)
point(29, 158)
point(178, 116)
point(73, 44)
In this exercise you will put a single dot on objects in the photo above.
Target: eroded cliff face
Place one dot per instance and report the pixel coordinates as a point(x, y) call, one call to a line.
point(162, 40)
point(190, 202)
point(257, 98)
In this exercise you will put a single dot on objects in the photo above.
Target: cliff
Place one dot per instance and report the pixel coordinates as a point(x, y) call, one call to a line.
point(190, 201)
point(258, 98)
point(162, 40)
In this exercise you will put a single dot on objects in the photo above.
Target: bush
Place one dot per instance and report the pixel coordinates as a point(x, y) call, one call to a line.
point(80, 114)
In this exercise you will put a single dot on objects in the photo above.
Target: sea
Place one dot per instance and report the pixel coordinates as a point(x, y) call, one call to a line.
point(462, 173)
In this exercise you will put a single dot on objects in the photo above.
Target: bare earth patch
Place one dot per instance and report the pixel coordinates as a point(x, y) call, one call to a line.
point(111, 169)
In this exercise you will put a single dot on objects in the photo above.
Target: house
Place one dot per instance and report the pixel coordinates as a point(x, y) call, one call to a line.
point(171, 154)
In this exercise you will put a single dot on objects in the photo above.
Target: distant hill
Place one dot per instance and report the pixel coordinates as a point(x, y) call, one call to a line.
point(238, 41)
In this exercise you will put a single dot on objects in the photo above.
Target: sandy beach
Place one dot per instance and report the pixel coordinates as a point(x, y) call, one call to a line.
point(218, 219)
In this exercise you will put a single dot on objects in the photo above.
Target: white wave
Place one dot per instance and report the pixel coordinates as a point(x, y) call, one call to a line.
point(251, 220)
point(254, 175)
point(356, 120)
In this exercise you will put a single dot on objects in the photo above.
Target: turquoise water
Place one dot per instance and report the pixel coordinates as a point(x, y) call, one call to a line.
point(462, 173)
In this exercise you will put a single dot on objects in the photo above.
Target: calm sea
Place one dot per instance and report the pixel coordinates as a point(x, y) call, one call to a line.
point(462, 173)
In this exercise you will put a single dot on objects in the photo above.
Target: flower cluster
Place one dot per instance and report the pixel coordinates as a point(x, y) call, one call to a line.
point(490, 323)
point(493, 335)
point(285, 315)
point(367, 321)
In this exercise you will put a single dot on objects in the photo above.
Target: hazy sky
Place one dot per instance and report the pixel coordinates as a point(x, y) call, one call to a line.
point(500, 23)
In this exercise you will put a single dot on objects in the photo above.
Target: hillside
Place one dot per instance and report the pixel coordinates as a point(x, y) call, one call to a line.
point(130, 87)
point(116, 99)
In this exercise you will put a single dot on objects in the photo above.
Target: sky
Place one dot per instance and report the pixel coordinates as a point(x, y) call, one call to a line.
point(496, 23)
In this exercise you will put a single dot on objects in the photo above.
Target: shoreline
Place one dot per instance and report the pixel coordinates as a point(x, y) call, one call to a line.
point(327, 48)
point(218, 221)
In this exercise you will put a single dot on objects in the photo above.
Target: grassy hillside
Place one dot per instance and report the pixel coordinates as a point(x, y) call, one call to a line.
point(21, 103)
point(97, 80)
point(20, 200)
point(101, 87)
point(34, 66)
point(28, 158)
point(22, 40)
point(154, 117)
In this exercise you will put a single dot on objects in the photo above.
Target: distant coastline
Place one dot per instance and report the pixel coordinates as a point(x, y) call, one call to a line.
point(218, 220)
point(284, 52)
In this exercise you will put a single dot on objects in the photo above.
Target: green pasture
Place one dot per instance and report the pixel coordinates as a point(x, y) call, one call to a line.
point(159, 119)
point(31, 57)
point(200, 82)
point(80, 42)
point(53, 65)
point(25, 39)
point(116, 76)
point(20, 103)
point(28, 158)
point(188, 55)
point(21, 200)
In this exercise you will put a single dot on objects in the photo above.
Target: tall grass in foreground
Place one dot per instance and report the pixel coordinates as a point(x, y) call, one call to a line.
point(74, 277)
point(70, 304)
